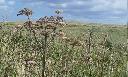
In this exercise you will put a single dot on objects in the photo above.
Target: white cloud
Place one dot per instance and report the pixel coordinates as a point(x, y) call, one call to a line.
point(3, 5)
point(2, 1)
point(107, 5)
point(79, 2)
point(120, 4)
point(63, 5)
point(4, 8)
point(35, 4)
point(84, 9)
point(114, 17)
point(11, 2)
point(103, 9)
point(68, 4)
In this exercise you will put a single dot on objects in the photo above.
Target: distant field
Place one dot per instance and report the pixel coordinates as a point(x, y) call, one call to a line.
point(116, 34)
point(8, 23)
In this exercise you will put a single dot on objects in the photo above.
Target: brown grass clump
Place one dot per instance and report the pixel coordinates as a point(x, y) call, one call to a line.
point(76, 43)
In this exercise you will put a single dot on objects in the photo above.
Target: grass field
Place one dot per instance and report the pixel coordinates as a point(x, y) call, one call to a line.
point(93, 51)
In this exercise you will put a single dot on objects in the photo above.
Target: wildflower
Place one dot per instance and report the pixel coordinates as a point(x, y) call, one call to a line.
point(31, 62)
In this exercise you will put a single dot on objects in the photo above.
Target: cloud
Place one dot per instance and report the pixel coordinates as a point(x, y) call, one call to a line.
point(109, 5)
point(11, 2)
point(2, 1)
point(98, 9)
point(92, 5)
point(105, 10)
point(30, 0)
point(62, 5)
point(3, 5)
point(6, 7)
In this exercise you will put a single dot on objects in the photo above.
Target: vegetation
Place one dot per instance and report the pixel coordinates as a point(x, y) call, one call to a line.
point(51, 50)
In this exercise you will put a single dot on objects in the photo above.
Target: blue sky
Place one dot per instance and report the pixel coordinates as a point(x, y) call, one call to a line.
point(101, 11)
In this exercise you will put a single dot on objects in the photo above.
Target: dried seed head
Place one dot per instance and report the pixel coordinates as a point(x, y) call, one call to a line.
point(58, 11)
point(25, 11)
point(61, 34)
point(50, 26)
point(45, 33)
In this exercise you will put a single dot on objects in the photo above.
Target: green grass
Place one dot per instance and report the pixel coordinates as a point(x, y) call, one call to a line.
point(8, 23)
point(116, 34)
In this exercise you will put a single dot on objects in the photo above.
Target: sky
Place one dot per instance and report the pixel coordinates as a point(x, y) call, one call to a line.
point(100, 11)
